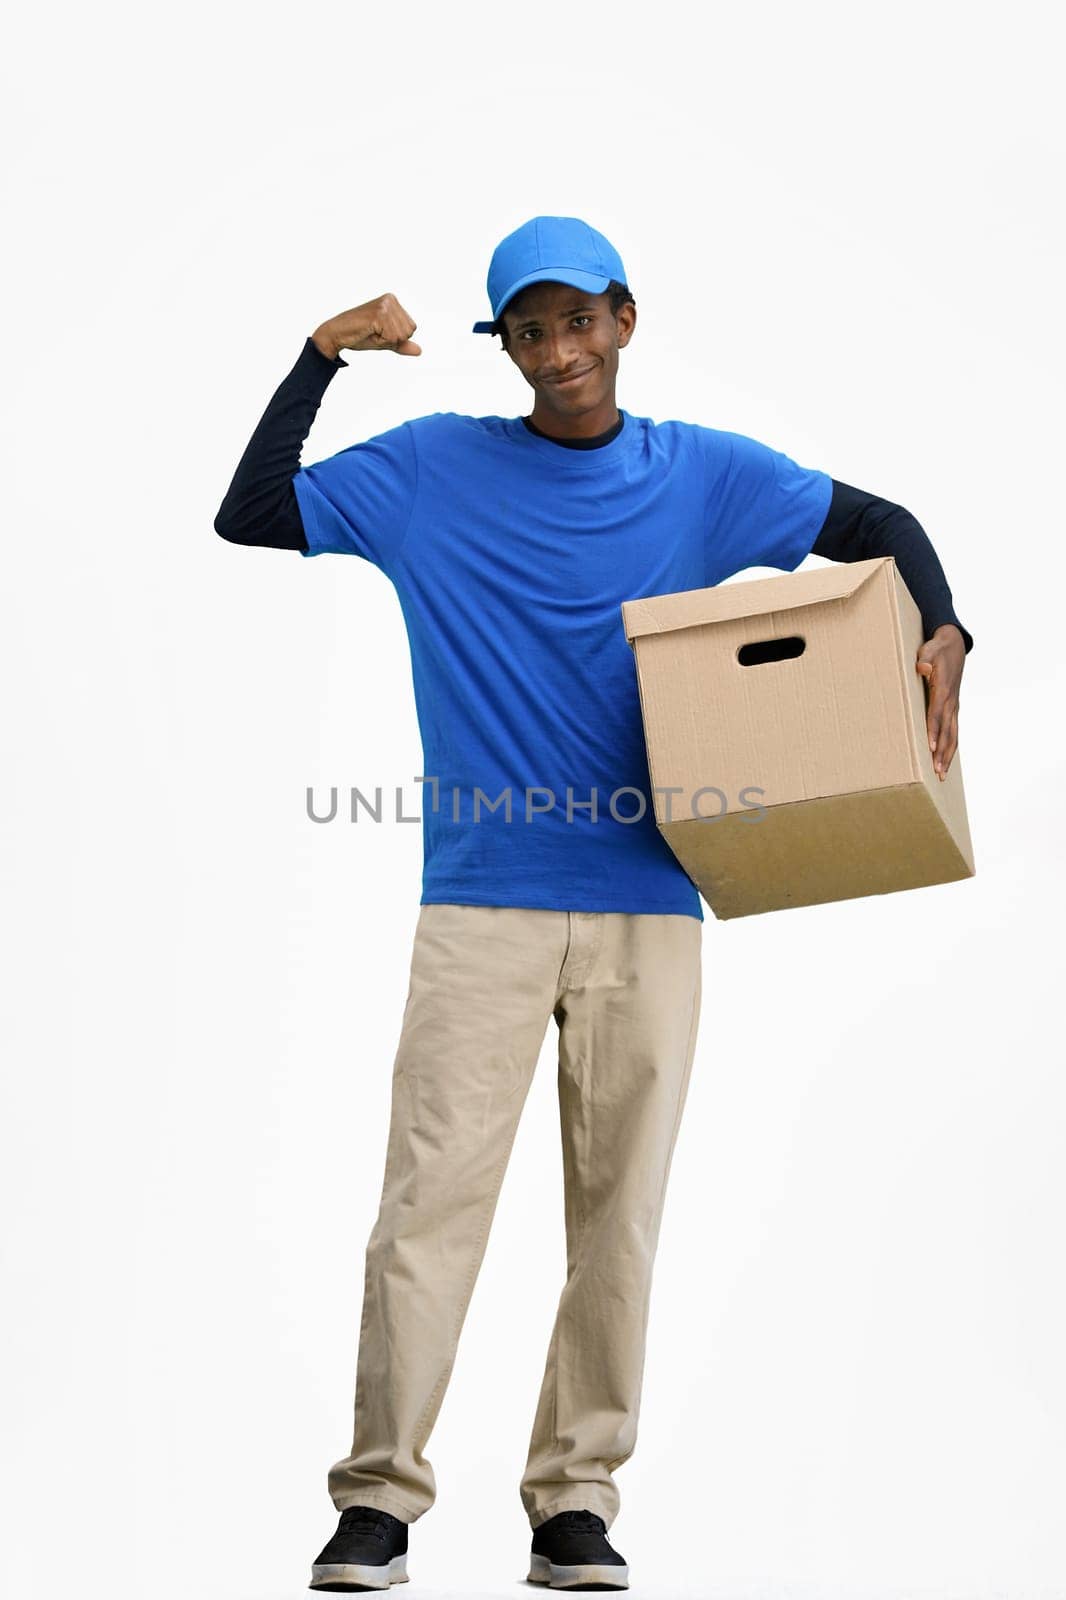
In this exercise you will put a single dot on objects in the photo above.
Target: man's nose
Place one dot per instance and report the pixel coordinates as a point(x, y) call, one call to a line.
point(558, 352)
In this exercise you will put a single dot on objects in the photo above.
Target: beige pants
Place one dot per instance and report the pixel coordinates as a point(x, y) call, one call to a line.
point(624, 989)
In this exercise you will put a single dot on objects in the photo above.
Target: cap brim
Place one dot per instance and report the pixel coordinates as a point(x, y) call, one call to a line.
point(591, 282)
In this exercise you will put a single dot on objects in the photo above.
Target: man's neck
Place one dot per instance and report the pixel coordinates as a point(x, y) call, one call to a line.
point(583, 443)
point(588, 425)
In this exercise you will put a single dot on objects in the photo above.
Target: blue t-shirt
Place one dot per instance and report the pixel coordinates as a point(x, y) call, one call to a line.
point(511, 557)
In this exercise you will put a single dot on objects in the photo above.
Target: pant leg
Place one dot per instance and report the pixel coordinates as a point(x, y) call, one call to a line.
point(482, 989)
point(628, 1017)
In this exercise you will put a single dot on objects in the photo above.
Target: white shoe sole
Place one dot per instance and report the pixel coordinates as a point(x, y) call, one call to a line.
point(541, 1570)
point(329, 1574)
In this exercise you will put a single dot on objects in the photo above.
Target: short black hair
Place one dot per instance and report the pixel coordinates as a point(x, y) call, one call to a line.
point(619, 296)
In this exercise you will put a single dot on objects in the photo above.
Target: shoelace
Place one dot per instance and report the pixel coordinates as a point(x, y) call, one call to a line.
point(364, 1519)
point(585, 1521)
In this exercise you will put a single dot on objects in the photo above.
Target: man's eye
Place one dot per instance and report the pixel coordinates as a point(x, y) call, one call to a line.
point(583, 317)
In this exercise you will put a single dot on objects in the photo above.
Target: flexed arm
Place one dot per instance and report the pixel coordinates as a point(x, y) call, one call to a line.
point(260, 506)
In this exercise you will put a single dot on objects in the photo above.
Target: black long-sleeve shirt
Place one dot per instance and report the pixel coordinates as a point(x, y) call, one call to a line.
point(260, 506)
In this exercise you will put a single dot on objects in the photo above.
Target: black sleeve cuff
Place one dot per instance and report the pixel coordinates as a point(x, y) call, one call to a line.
point(312, 364)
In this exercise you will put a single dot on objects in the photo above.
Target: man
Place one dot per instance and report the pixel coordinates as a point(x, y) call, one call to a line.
point(547, 889)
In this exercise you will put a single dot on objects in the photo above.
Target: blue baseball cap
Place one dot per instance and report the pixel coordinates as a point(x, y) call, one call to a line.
point(550, 250)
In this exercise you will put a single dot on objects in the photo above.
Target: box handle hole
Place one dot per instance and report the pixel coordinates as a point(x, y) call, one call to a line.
point(753, 655)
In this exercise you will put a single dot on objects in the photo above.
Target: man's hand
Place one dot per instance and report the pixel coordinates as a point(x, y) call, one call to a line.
point(940, 662)
point(380, 324)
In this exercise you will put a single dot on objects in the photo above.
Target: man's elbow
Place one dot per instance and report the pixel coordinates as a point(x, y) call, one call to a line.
point(271, 533)
point(232, 531)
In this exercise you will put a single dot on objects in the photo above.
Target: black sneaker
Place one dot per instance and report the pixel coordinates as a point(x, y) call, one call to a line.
point(368, 1551)
point(570, 1551)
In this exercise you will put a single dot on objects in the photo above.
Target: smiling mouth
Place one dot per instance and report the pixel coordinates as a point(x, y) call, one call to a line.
point(575, 377)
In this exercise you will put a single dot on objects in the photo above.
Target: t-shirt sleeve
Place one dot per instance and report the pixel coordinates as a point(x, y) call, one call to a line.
point(764, 509)
point(359, 501)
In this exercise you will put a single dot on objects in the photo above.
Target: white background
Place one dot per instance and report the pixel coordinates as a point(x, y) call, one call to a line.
point(842, 227)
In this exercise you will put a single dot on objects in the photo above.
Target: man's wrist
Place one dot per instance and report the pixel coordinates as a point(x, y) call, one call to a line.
point(325, 344)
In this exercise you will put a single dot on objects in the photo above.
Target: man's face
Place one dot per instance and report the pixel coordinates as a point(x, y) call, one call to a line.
point(555, 331)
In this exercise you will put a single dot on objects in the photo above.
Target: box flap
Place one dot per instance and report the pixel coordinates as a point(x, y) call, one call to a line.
point(725, 602)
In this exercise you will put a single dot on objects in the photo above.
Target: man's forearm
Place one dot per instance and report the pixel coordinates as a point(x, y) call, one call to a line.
point(260, 506)
point(860, 526)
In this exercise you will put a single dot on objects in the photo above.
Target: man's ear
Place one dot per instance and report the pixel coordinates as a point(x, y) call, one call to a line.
point(626, 321)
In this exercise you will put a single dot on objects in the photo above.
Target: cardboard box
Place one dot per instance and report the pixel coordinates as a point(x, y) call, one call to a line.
point(787, 715)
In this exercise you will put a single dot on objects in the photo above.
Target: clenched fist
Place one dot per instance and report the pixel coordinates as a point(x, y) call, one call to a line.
point(380, 324)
